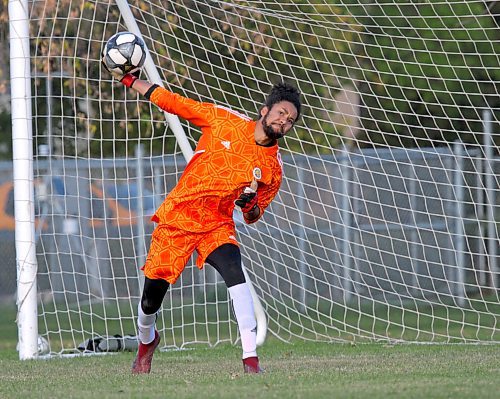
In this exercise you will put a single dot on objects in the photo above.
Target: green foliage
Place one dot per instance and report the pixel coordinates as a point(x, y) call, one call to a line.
point(233, 58)
point(424, 72)
point(431, 71)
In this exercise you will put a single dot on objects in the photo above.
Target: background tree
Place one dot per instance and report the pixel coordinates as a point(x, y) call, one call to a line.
point(430, 70)
point(5, 120)
point(424, 73)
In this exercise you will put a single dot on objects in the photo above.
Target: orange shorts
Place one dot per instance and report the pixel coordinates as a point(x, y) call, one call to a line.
point(171, 249)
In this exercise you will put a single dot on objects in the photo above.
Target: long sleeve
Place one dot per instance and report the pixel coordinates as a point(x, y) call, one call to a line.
point(198, 113)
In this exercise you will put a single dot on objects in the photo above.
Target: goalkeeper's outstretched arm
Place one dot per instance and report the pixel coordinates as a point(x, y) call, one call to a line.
point(133, 82)
point(141, 86)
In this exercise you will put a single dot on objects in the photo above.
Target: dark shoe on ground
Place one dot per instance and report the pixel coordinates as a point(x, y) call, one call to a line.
point(142, 362)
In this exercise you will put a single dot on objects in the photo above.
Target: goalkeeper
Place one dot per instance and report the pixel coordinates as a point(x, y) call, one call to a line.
point(236, 162)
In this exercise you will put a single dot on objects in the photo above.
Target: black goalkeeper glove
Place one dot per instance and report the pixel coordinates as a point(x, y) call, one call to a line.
point(247, 201)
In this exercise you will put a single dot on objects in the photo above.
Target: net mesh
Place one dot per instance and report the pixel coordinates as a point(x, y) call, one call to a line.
point(386, 224)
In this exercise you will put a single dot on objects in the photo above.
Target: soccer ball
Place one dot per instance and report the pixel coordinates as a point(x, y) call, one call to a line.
point(124, 52)
point(43, 346)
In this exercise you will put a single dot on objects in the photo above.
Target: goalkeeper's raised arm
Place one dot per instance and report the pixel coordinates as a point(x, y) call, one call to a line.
point(236, 164)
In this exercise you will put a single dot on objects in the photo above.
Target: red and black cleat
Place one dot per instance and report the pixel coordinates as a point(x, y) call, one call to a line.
point(142, 362)
point(251, 365)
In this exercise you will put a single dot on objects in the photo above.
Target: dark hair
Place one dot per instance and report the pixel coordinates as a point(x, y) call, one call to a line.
point(284, 92)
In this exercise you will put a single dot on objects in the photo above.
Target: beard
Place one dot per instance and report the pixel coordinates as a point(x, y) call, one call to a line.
point(270, 131)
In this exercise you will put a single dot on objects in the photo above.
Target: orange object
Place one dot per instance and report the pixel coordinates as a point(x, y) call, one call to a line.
point(171, 249)
point(7, 221)
point(198, 212)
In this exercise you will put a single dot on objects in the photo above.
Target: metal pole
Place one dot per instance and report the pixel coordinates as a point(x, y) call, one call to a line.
point(56, 278)
point(302, 236)
point(173, 121)
point(458, 183)
point(141, 231)
point(22, 150)
point(345, 214)
point(414, 234)
point(490, 197)
point(479, 209)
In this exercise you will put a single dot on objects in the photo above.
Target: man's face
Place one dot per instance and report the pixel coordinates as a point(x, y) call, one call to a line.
point(279, 119)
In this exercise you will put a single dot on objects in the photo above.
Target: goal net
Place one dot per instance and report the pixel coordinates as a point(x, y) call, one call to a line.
point(386, 226)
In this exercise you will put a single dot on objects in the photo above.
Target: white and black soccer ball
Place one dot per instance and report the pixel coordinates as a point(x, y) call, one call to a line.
point(43, 346)
point(124, 52)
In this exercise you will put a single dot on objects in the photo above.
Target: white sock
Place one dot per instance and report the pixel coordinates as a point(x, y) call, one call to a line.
point(245, 316)
point(146, 326)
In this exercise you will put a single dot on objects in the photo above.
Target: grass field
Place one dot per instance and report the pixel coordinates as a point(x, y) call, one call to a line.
point(298, 370)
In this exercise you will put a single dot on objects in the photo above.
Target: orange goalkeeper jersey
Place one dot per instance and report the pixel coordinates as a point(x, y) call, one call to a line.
point(225, 161)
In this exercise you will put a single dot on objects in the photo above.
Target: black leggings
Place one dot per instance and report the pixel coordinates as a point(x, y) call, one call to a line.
point(226, 259)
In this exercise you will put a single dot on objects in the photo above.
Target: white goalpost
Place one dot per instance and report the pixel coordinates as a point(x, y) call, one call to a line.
point(386, 226)
point(23, 180)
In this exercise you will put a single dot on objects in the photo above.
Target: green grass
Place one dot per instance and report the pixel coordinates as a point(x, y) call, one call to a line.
point(298, 370)
point(302, 370)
